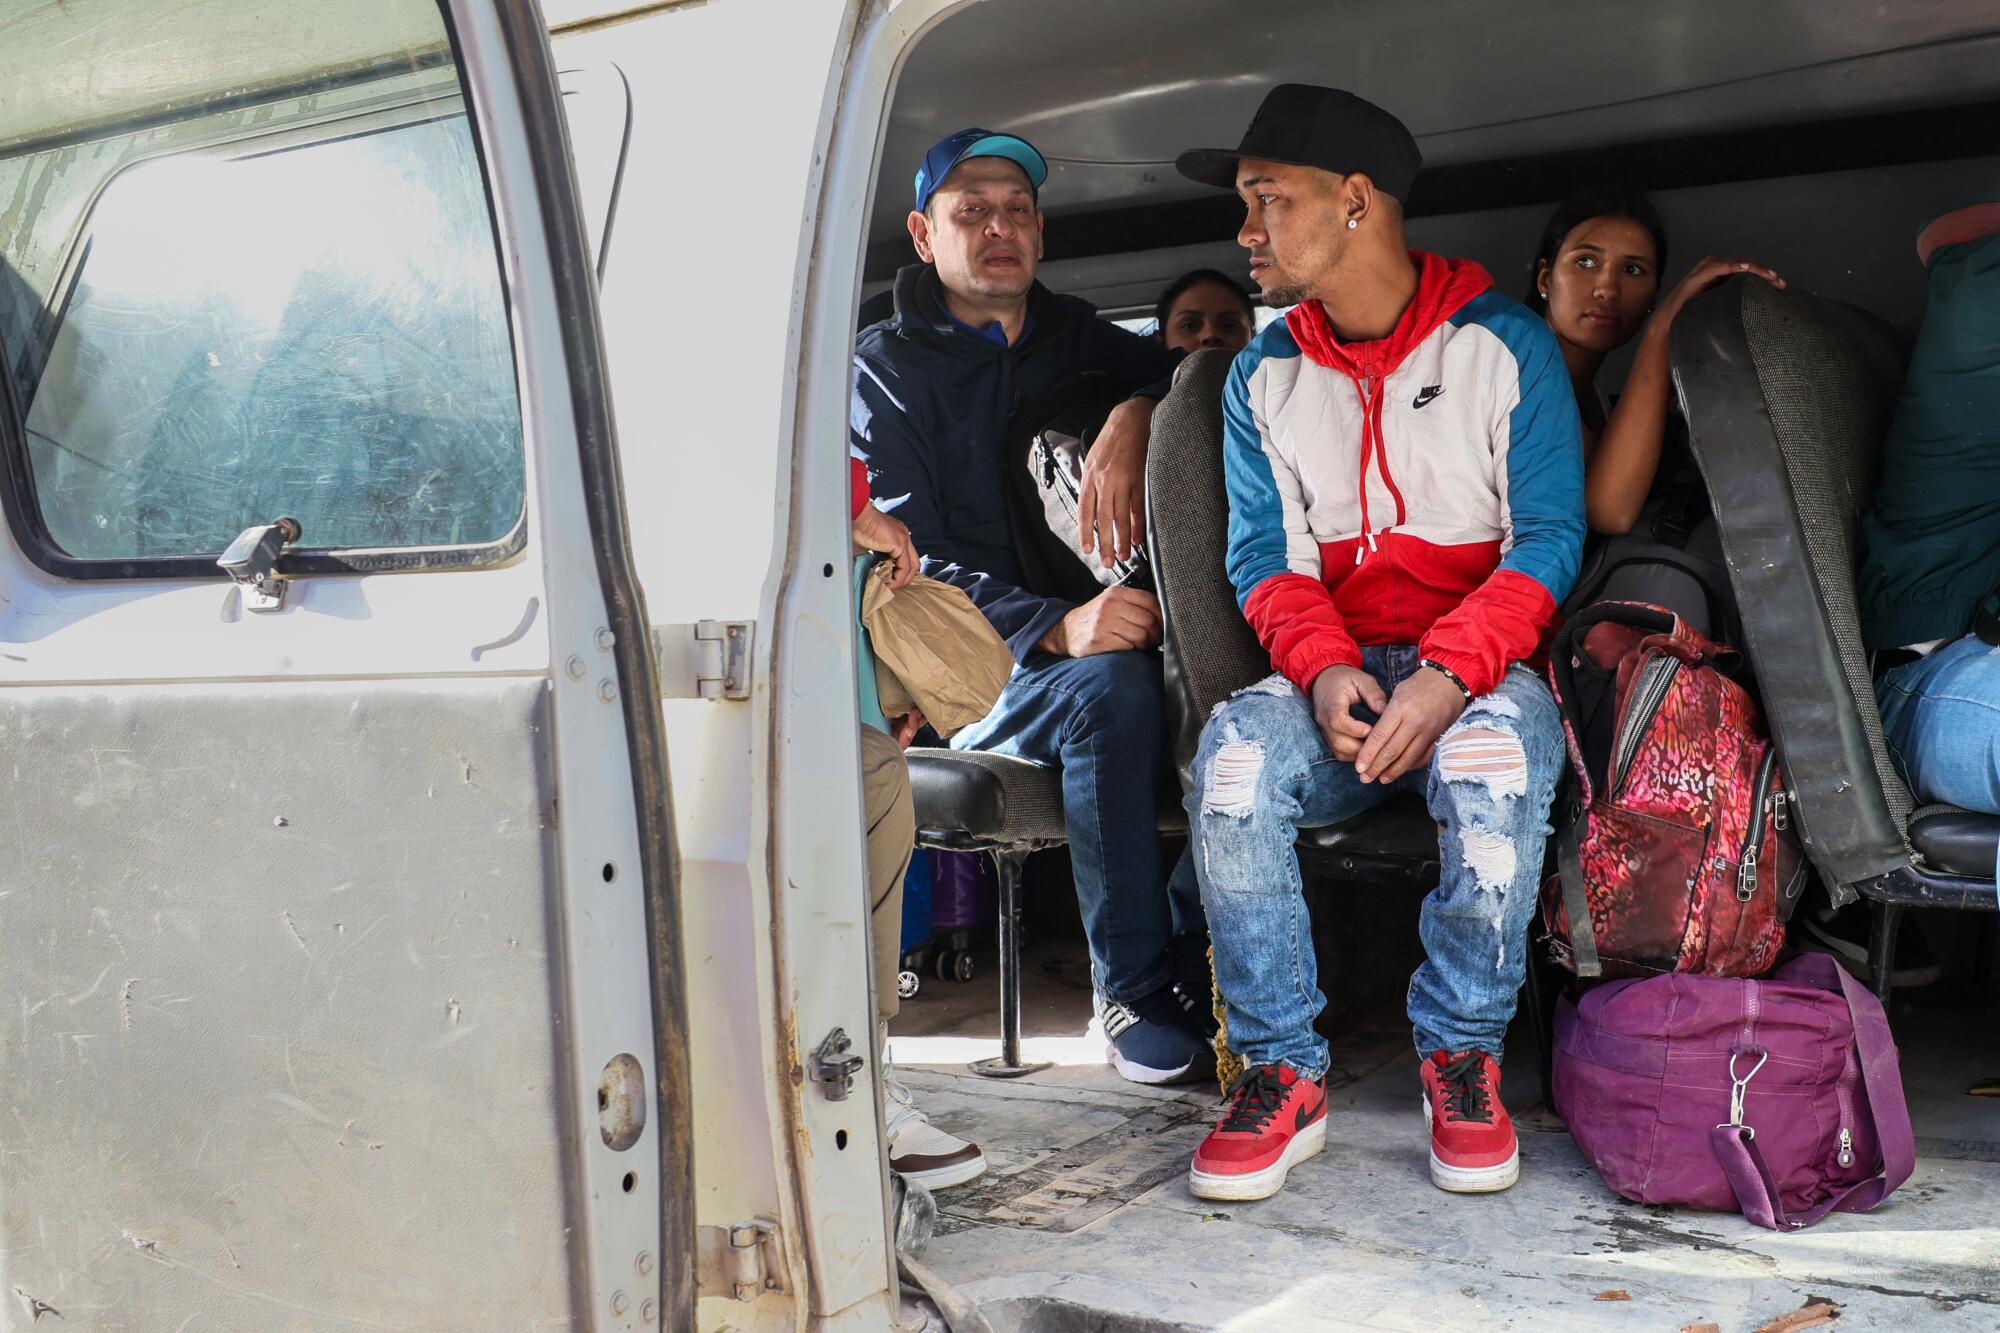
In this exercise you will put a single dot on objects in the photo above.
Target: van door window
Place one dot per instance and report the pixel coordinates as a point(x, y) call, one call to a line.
point(304, 320)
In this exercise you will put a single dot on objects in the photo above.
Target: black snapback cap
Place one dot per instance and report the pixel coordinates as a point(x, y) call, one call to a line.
point(1308, 126)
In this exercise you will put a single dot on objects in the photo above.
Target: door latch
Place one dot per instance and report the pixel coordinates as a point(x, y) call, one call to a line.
point(709, 659)
point(252, 560)
point(834, 1066)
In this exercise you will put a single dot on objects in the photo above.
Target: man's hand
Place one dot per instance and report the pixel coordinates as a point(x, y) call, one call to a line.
point(1423, 706)
point(877, 531)
point(1115, 620)
point(1111, 511)
point(904, 729)
point(1334, 691)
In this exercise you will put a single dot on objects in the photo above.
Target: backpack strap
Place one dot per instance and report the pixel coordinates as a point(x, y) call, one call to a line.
point(1882, 1076)
point(1576, 903)
point(1619, 552)
point(1564, 653)
point(1736, 1145)
point(1566, 649)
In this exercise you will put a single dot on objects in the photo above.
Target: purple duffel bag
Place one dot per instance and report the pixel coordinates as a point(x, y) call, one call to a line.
point(1777, 1096)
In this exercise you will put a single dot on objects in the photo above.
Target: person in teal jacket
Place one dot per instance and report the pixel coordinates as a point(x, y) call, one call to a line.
point(1932, 538)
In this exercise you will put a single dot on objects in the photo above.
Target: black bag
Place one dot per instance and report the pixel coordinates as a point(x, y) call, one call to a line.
point(1047, 442)
point(1671, 558)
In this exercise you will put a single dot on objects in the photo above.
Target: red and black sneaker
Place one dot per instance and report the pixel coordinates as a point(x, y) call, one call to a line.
point(1276, 1117)
point(1473, 1150)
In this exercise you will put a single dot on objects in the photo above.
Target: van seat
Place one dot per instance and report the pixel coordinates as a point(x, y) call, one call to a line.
point(1788, 400)
point(1210, 649)
point(978, 800)
point(1955, 841)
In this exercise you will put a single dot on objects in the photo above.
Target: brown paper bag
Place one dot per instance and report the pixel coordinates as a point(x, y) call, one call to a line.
point(933, 650)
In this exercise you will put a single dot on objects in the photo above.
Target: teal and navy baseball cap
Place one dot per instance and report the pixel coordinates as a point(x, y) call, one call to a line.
point(953, 149)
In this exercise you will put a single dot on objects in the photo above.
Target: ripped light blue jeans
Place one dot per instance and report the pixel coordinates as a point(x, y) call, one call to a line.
point(1265, 771)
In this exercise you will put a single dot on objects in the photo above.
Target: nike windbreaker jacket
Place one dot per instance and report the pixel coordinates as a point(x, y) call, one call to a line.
point(1424, 488)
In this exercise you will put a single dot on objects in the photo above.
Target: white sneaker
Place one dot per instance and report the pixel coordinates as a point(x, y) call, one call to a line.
point(919, 1150)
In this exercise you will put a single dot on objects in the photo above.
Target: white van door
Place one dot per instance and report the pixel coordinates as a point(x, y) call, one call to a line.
point(338, 912)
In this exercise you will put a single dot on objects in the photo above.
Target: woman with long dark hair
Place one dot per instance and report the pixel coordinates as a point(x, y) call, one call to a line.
point(1597, 283)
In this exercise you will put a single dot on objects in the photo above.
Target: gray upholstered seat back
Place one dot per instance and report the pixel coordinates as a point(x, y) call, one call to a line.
point(1210, 650)
point(1788, 398)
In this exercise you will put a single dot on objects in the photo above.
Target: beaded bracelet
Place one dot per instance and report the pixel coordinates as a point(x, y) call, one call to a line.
point(1448, 674)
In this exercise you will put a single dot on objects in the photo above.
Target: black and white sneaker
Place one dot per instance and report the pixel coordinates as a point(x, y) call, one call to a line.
point(1152, 1041)
point(1844, 934)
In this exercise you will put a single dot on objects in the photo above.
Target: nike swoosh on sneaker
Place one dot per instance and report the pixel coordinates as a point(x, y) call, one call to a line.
point(1426, 394)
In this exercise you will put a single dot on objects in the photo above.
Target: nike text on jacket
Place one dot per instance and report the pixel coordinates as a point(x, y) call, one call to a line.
point(932, 401)
point(1424, 488)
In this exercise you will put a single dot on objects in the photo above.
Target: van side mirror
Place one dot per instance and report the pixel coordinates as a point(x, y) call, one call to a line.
point(252, 558)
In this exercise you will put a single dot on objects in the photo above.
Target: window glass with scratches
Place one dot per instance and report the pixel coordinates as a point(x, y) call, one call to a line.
point(287, 304)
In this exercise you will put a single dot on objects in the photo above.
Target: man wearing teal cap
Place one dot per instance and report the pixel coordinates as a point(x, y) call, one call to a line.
point(976, 340)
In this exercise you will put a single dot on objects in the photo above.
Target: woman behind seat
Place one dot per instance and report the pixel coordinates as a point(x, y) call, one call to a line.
point(1205, 309)
point(1597, 277)
point(1597, 274)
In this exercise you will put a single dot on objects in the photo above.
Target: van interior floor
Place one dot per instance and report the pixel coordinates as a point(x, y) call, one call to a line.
point(1084, 1220)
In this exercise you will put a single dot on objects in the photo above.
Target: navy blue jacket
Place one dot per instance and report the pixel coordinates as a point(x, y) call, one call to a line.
point(932, 401)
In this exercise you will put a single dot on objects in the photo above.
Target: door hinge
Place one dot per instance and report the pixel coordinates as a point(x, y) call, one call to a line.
point(709, 659)
point(834, 1065)
point(739, 1262)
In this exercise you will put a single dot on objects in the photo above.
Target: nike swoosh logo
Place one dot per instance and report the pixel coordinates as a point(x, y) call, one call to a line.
point(1425, 394)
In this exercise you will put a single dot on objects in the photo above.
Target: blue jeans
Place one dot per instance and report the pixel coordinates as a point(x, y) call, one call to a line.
point(1102, 720)
point(1265, 771)
point(1941, 718)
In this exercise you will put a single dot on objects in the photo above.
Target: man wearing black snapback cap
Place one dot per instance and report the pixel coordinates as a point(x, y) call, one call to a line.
point(1405, 476)
point(974, 338)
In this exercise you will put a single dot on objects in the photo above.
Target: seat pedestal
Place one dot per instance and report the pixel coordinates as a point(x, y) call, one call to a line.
point(1008, 1064)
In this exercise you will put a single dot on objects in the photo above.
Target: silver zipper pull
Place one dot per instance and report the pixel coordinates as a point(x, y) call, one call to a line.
point(1780, 819)
point(1746, 876)
point(1846, 1157)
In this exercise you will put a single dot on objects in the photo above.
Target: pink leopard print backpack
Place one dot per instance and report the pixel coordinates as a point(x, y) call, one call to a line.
point(1678, 848)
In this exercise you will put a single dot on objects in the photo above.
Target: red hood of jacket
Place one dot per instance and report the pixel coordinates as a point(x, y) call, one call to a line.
point(1443, 288)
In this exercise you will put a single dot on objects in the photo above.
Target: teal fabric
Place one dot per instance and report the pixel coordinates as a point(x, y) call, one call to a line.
point(865, 694)
point(1932, 539)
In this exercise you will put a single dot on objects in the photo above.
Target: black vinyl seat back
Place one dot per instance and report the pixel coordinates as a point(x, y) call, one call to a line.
point(1788, 399)
point(1210, 650)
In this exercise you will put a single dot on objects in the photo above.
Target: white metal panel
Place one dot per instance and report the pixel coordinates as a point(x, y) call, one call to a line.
point(720, 229)
point(279, 1041)
point(490, 634)
point(604, 933)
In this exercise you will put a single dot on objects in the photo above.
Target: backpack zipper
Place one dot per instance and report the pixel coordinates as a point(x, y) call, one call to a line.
point(1753, 841)
point(1843, 1093)
point(1750, 1008)
point(1656, 677)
